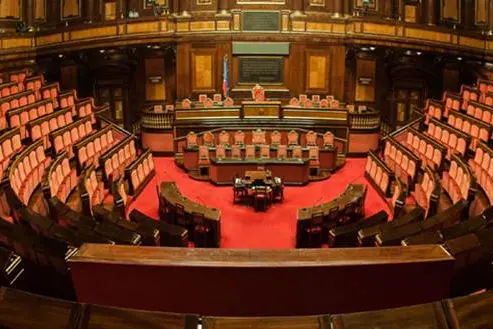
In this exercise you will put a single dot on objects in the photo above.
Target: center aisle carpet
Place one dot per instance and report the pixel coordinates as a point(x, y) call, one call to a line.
point(241, 226)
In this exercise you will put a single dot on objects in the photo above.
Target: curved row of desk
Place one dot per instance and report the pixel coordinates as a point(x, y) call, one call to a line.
point(471, 312)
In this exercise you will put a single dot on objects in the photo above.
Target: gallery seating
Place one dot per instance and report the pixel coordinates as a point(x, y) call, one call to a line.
point(481, 167)
point(20, 116)
point(114, 160)
point(91, 190)
point(475, 128)
point(452, 102)
point(458, 181)
point(171, 235)
point(15, 75)
point(347, 235)
point(86, 108)
point(453, 215)
point(60, 179)
point(471, 225)
point(140, 172)
point(428, 191)
point(34, 83)
point(431, 152)
point(11, 88)
point(13, 102)
point(480, 111)
point(63, 138)
point(10, 145)
point(453, 139)
point(367, 236)
point(434, 109)
point(468, 93)
point(27, 170)
point(89, 149)
point(402, 161)
point(68, 99)
point(41, 127)
point(379, 173)
point(50, 91)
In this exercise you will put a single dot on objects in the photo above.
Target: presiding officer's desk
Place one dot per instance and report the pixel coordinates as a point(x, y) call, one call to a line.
point(169, 192)
point(291, 171)
point(327, 156)
point(260, 282)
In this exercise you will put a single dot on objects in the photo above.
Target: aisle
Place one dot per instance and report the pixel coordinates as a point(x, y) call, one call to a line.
point(241, 226)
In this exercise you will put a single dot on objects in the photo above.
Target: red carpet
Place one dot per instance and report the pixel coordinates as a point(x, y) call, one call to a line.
point(241, 226)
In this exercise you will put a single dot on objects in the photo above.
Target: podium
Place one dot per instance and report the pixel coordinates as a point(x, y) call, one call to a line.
point(264, 109)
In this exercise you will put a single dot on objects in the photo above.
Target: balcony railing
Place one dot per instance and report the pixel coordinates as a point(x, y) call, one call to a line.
point(368, 120)
point(157, 120)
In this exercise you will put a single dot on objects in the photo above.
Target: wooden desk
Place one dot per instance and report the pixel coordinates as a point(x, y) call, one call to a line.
point(352, 195)
point(327, 157)
point(169, 192)
point(270, 282)
point(291, 171)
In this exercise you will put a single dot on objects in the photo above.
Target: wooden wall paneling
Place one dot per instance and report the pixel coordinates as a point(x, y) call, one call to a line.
point(450, 11)
point(201, 5)
point(155, 81)
point(338, 72)
point(170, 69)
point(183, 61)
point(296, 80)
point(411, 13)
point(317, 62)
point(11, 9)
point(203, 70)
point(68, 77)
point(451, 78)
point(481, 12)
point(320, 5)
point(365, 69)
point(110, 10)
point(71, 9)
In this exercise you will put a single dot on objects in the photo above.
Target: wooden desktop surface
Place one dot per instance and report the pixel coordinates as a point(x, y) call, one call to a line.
point(290, 281)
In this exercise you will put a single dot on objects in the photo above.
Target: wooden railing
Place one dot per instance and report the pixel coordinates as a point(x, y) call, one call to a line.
point(157, 120)
point(364, 121)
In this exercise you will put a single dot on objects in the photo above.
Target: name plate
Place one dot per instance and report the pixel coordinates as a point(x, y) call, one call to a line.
point(261, 21)
point(262, 70)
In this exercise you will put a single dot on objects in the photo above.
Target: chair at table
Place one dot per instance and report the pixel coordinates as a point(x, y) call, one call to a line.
point(224, 138)
point(260, 197)
point(278, 189)
point(292, 138)
point(311, 138)
point(239, 190)
point(220, 152)
point(314, 165)
point(204, 161)
point(264, 151)
point(250, 152)
point(297, 152)
point(239, 137)
point(328, 139)
point(201, 231)
point(180, 215)
point(191, 140)
point(275, 138)
point(314, 230)
point(208, 139)
point(236, 152)
point(282, 152)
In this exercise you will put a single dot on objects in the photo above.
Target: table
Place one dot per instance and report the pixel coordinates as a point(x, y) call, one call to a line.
point(291, 171)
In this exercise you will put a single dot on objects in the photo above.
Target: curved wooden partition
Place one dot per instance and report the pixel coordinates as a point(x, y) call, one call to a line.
point(260, 282)
point(471, 312)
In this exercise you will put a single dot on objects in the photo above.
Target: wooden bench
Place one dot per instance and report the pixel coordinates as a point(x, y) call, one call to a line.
point(140, 172)
point(453, 139)
point(60, 179)
point(63, 138)
point(458, 181)
point(115, 159)
point(41, 127)
point(20, 116)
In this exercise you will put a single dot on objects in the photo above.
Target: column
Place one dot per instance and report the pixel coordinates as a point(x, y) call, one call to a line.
point(490, 15)
point(223, 5)
point(401, 9)
point(338, 8)
point(431, 12)
point(298, 5)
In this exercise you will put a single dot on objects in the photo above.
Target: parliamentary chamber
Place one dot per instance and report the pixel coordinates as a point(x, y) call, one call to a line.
point(92, 90)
